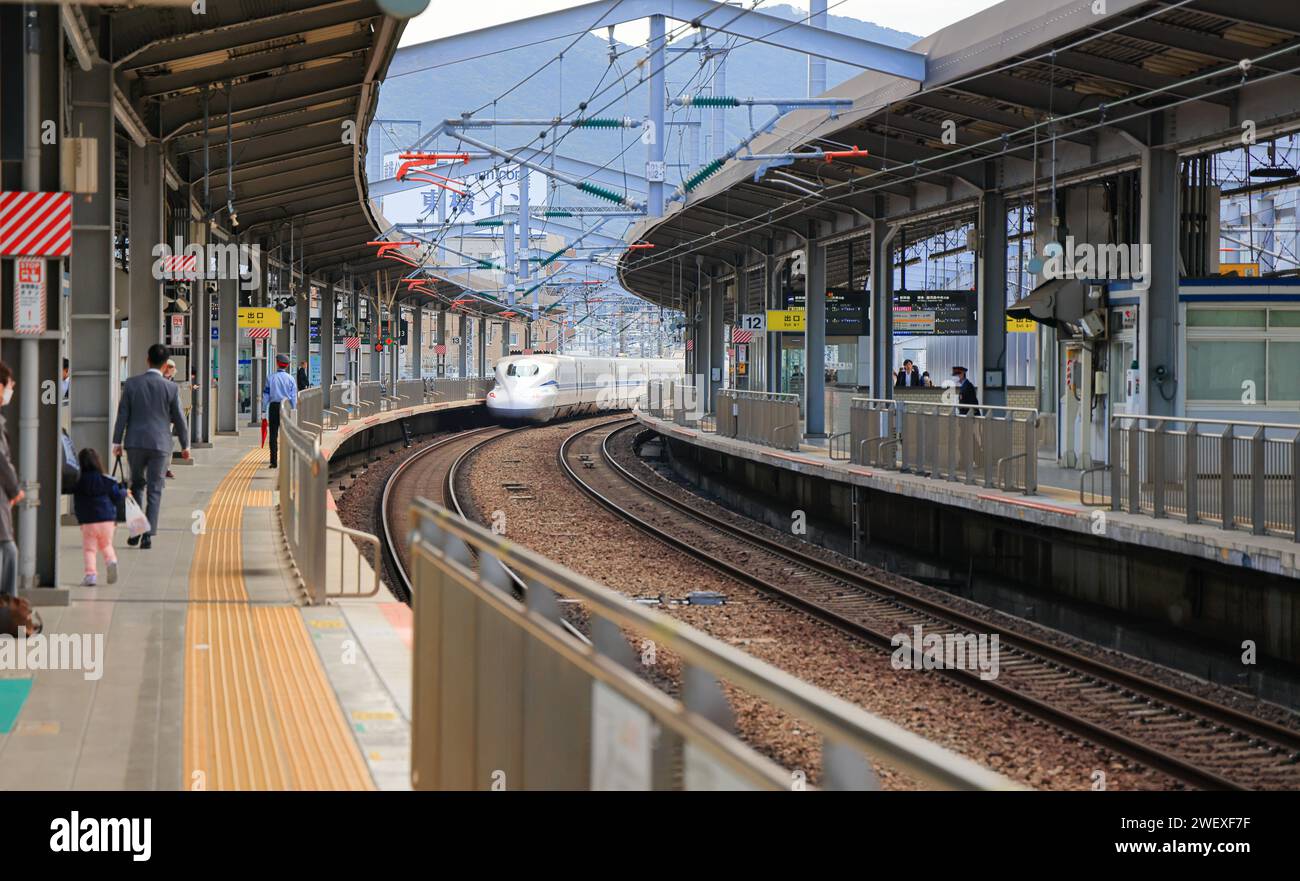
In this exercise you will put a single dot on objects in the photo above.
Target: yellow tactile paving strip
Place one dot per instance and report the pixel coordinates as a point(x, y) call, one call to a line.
point(259, 711)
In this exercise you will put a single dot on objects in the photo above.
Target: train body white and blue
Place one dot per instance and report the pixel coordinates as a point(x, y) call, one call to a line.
point(539, 388)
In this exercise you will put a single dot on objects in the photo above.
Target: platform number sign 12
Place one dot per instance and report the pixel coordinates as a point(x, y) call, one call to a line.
point(756, 323)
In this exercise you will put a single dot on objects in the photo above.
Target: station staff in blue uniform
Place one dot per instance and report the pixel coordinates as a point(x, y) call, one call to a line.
point(280, 387)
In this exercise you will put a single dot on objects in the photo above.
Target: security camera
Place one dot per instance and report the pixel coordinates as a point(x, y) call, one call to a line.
point(212, 287)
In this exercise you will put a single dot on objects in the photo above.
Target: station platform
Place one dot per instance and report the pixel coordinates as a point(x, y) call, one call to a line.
point(202, 668)
point(1056, 505)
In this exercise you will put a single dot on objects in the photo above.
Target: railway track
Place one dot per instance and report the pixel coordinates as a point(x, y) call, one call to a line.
point(429, 473)
point(1202, 743)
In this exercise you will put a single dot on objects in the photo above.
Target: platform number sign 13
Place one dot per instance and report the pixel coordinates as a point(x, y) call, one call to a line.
point(756, 323)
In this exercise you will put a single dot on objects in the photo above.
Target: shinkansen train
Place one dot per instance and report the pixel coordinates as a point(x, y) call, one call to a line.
point(539, 388)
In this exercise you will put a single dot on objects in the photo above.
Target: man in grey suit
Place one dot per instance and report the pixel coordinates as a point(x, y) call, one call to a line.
point(150, 408)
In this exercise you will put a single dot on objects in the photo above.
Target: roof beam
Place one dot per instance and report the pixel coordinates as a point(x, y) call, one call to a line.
point(746, 24)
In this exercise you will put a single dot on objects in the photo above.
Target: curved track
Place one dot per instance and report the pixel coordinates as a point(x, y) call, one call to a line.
point(1202, 743)
point(428, 473)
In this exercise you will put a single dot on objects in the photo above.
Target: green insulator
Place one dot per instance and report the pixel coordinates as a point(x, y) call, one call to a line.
point(715, 101)
point(486, 264)
point(558, 214)
point(703, 174)
point(489, 223)
point(601, 192)
point(598, 122)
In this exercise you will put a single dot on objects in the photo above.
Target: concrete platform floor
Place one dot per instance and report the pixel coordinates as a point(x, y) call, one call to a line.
point(118, 720)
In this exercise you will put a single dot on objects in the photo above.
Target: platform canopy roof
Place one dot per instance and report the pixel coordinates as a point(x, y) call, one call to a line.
point(300, 81)
point(1011, 67)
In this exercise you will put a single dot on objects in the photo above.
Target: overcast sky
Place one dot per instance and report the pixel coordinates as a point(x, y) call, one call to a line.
point(447, 17)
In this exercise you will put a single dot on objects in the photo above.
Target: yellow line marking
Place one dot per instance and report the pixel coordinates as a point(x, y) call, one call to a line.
point(259, 710)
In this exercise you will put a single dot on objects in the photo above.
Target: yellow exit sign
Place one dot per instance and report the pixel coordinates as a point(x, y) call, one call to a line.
point(789, 320)
point(1021, 325)
point(259, 316)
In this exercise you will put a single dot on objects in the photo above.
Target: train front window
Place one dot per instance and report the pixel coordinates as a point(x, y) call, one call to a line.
point(521, 369)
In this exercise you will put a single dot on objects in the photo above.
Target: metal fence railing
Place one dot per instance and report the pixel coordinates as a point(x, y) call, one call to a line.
point(370, 397)
point(311, 410)
point(1204, 470)
point(873, 432)
point(303, 474)
point(767, 418)
point(505, 696)
point(329, 564)
point(993, 446)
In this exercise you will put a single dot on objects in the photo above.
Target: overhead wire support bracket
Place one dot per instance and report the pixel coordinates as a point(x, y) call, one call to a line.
point(415, 167)
point(610, 122)
point(586, 187)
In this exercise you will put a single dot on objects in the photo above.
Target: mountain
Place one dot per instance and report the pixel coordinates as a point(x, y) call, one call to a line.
point(415, 90)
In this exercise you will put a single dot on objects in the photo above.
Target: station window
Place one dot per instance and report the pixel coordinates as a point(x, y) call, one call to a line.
point(521, 369)
point(1233, 353)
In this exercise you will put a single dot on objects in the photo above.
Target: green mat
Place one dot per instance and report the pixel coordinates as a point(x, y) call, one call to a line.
point(13, 692)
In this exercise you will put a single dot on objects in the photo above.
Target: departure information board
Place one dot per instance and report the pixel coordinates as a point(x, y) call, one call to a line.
point(846, 310)
point(935, 313)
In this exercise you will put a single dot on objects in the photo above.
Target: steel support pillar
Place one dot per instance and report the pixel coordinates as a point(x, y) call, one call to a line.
point(30, 94)
point(201, 327)
point(882, 309)
point(228, 290)
point(480, 350)
point(816, 64)
point(462, 365)
point(992, 281)
point(772, 339)
point(417, 342)
point(655, 149)
point(261, 349)
point(146, 231)
point(442, 341)
point(301, 326)
point(815, 341)
point(92, 335)
point(717, 344)
point(327, 307)
point(1158, 336)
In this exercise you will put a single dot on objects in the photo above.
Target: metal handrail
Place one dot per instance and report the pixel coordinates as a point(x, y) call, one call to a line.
point(344, 533)
point(450, 594)
point(830, 447)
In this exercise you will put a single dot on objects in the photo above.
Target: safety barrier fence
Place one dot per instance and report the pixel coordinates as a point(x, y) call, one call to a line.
point(993, 446)
point(303, 473)
point(872, 438)
point(311, 409)
point(676, 400)
point(767, 418)
point(1235, 474)
point(328, 556)
point(370, 397)
point(505, 697)
point(410, 392)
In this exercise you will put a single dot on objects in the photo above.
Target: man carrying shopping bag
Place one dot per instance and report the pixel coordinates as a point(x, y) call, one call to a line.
point(150, 409)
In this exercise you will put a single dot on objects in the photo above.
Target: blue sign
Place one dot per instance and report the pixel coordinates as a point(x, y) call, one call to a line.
point(245, 360)
point(214, 333)
point(313, 370)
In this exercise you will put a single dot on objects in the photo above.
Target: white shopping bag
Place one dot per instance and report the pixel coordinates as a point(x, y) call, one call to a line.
point(136, 521)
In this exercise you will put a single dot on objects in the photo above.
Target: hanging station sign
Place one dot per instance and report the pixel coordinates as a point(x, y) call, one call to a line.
point(259, 317)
